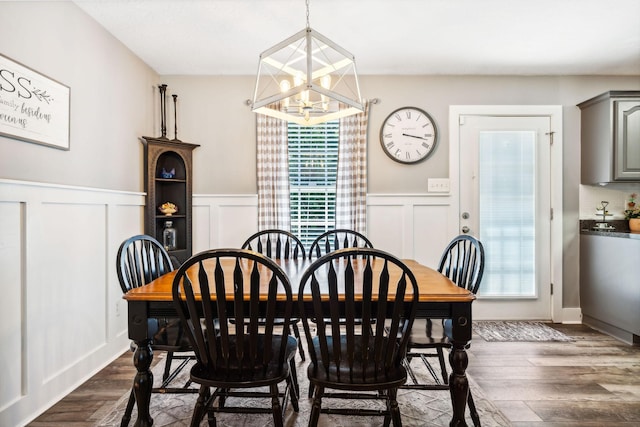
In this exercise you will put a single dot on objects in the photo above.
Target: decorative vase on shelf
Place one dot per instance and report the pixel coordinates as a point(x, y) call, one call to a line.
point(169, 236)
point(634, 224)
point(168, 208)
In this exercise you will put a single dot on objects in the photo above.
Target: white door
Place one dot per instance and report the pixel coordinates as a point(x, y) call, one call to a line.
point(505, 201)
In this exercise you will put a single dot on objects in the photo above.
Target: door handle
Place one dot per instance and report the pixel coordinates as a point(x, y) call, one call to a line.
point(465, 229)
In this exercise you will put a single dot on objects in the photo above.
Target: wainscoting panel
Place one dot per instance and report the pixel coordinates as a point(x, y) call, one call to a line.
point(410, 226)
point(201, 238)
point(236, 223)
point(386, 227)
point(62, 313)
point(223, 220)
point(73, 292)
point(12, 308)
point(431, 225)
point(124, 221)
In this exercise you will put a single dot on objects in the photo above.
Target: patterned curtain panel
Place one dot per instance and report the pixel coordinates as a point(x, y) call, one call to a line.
point(351, 192)
point(273, 173)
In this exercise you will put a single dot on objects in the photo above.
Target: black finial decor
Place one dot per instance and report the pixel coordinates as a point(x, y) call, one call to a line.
point(163, 110)
point(175, 117)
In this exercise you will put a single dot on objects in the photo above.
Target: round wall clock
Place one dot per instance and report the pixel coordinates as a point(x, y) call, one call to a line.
point(408, 135)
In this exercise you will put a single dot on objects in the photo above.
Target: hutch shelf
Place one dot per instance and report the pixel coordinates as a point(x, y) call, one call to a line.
point(168, 178)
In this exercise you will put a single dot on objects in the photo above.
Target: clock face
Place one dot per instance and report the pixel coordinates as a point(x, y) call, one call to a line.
point(408, 135)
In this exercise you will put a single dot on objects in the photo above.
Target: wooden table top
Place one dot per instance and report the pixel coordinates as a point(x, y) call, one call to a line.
point(433, 286)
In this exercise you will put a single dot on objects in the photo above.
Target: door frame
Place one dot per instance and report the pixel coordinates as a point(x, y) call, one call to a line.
point(554, 112)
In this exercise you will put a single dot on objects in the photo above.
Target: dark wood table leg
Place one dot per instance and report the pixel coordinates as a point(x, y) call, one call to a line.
point(458, 385)
point(458, 382)
point(143, 356)
point(143, 382)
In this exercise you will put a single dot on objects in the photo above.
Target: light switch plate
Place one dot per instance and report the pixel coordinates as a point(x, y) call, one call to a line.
point(438, 185)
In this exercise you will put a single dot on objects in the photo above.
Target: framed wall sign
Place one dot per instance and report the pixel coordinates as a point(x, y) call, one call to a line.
point(33, 107)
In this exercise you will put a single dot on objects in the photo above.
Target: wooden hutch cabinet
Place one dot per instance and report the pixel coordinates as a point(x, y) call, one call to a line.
point(169, 178)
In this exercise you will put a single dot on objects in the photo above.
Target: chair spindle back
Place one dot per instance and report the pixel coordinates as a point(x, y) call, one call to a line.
point(140, 260)
point(333, 240)
point(366, 287)
point(276, 244)
point(224, 287)
point(463, 262)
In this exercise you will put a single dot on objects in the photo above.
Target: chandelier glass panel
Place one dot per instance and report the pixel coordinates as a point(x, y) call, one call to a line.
point(307, 79)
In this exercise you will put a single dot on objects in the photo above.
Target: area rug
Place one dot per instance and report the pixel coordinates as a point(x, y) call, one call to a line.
point(418, 407)
point(517, 331)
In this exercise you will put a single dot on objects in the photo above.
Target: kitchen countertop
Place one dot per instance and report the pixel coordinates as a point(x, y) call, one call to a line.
point(621, 229)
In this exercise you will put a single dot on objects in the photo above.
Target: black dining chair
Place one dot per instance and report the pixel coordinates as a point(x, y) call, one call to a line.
point(279, 244)
point(463, 262)
point(217, 289)
point(340, 238)
point(356, 362)
point(333, 240)
point(140, 260)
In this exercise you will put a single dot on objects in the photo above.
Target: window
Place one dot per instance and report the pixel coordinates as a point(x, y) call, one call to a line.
point(313, 168)
point(507, 201)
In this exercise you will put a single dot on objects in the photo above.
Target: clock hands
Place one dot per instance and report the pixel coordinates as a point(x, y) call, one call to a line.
point(414, 136)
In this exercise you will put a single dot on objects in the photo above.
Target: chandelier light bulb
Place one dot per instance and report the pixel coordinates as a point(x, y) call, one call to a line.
point(284, 87)
point(325, 81)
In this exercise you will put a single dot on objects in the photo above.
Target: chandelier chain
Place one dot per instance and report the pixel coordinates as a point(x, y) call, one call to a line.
point(307, 4)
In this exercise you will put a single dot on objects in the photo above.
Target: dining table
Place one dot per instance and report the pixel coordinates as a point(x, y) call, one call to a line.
point(439, 298)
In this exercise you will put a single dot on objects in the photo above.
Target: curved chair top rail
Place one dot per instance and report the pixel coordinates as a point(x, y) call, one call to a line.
point(275, 243)
point(340, 238)
point(140, 260)
point(463, 262)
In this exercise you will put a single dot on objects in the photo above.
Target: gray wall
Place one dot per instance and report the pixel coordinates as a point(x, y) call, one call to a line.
point(112, 97)
point(212, 112)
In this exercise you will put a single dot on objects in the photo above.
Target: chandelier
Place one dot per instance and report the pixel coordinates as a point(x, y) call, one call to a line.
point(307, 79)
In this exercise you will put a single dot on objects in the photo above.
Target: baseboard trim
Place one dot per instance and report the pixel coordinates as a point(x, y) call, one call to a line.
point(620, 334)
point(572, 315)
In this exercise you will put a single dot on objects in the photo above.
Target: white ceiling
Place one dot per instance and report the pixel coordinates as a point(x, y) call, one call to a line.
point(541, 37)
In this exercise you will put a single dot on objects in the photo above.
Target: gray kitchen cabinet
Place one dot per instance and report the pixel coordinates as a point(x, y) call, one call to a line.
point(609, 286)
point(610, 134)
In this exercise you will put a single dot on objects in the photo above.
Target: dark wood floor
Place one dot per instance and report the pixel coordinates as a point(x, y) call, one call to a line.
point(592, 381)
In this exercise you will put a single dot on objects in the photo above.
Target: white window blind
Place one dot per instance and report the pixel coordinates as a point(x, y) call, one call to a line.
point(507, 202)
point(313, 167)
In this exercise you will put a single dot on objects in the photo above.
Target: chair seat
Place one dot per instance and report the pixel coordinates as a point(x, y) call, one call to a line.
point(279, 321)
point(250, 377)
point(356, 377)
point(342, 321)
